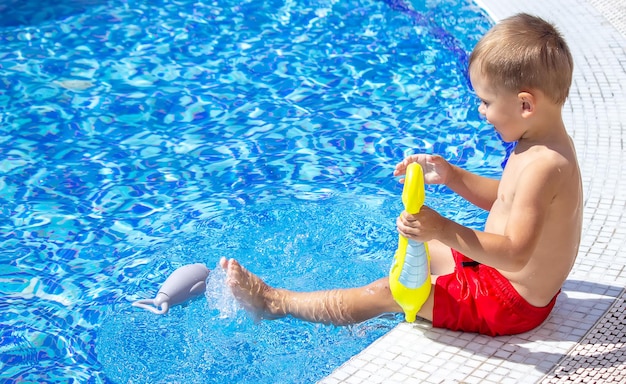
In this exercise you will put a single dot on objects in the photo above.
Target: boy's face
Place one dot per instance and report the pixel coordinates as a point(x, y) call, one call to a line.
point(502, 109)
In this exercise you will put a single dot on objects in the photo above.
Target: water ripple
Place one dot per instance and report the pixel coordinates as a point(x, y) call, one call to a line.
point(138, 136)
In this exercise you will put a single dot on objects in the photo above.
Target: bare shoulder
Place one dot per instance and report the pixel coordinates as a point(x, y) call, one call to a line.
point(556, 158)
point(551, 169)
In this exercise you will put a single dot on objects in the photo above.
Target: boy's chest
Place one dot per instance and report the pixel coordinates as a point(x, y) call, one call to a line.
point(508, 181)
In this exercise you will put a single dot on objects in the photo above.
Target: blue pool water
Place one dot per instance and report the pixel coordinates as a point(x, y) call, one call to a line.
point(138, 136)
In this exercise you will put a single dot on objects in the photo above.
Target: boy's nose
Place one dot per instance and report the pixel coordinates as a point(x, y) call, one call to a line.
point(481, 109)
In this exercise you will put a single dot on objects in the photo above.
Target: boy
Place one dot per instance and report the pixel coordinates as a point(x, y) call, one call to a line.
point(505, 279)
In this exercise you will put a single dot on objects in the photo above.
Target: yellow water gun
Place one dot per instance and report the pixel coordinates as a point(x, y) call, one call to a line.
point(409, 277)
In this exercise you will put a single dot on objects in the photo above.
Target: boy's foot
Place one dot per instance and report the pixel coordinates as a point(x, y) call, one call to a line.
point(248, 289)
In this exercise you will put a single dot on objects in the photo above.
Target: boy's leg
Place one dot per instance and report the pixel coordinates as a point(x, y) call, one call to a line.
point(337, 306)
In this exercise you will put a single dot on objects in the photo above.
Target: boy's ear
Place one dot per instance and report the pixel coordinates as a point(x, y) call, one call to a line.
point(527, 102)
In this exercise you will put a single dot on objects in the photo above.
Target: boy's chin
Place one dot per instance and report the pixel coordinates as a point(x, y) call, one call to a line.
point(508, 138)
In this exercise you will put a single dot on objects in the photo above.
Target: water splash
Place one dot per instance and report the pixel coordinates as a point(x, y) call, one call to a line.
point(218, 296)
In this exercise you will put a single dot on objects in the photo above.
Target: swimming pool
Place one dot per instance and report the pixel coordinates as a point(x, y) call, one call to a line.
point(140, 136)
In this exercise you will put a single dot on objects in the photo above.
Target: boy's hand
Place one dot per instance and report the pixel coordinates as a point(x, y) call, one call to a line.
point(436, 168)
point(423, 226)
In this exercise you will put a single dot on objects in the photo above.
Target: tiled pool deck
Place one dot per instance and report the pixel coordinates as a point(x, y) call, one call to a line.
point(584, 340)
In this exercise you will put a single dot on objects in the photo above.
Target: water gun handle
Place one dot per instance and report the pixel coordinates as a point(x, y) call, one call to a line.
point(409, 277)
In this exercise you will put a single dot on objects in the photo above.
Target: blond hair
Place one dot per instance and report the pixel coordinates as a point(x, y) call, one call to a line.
point(525, 52)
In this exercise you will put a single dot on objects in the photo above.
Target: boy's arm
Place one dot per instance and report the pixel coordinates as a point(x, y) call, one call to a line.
point(514, 243)
point(478, 190)
point(514, 227)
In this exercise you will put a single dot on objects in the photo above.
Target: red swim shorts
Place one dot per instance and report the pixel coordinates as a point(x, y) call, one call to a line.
point(477, 298)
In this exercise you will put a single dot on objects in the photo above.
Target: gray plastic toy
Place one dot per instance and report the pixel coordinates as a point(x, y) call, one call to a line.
point(184, 283)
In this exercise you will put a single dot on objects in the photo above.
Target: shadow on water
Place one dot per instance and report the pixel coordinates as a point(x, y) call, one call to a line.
point(30, 13)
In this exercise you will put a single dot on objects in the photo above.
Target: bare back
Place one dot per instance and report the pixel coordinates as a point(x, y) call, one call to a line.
point(557, 245)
